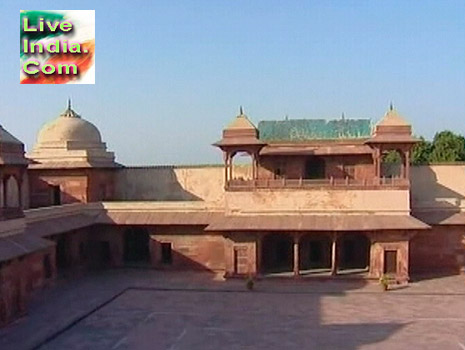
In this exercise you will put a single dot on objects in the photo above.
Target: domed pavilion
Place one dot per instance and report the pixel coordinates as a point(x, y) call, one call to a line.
point(70, 141)
point(70, 163)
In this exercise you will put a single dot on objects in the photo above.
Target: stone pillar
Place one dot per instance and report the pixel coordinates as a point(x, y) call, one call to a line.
point(407, 165)
point(155, 249)
point(296, 256)
point(20, 192)
point(230, 166)
point(254, 166)
point(226, 164)
point(374, 257)
point(334, 254)
point(258, 254)
point(402, 165)
point(252, 155)
point(377, 162)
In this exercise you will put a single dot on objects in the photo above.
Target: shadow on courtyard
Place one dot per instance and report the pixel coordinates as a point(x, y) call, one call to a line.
point(152, 309)
point(281, 313)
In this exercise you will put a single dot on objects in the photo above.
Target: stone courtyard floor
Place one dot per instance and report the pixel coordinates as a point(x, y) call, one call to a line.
point(146, 309)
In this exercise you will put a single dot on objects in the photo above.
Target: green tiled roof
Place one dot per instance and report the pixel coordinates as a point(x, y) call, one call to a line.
point(313, 129)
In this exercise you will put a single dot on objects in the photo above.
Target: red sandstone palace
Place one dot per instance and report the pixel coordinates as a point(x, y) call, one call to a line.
point(316, 199)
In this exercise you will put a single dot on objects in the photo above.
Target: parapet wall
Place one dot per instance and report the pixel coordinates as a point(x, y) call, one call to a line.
point(173, 183)
point(432, 186)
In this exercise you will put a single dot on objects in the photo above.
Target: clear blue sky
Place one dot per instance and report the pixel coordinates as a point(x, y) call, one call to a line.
point(171, 74)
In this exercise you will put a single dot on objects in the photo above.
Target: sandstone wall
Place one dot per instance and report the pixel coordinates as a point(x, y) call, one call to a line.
point(438, 186)
point(434, 188)
point(192, 248)
point(318, 201)
point(19, 277)
point(201, 183)
point(73, 187)
point(440, 249)
point(206, 183)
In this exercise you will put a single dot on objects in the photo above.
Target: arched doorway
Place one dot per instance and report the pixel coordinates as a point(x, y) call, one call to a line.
point(315, 252)
point(354, 251)
point(277, 253)
point(12, 192)
point(136, 245)
point(242, 166)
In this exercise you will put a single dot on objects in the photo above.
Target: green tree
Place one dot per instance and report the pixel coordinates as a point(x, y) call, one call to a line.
point(447, 147)
point(421, 152)
point(392, 157)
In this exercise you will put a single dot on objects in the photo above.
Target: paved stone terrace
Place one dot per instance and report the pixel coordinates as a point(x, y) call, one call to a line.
point(146, 309)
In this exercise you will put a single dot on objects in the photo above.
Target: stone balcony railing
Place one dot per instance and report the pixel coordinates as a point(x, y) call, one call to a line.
point(375, 183)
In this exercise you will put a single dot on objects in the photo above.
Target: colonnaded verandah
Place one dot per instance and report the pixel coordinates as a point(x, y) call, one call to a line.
point(315, 199)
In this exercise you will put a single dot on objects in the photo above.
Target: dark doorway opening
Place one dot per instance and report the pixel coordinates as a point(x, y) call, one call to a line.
point(390, 262)
point(82, 252)
point(98, 254)
point(62, 253)
point(136, 245)
point(315, 252)
point(166, 253)
point(354, 251)
point(315, 168)
point(278, 253)
point(47, 267)
point(56, 195)
point(105, 252)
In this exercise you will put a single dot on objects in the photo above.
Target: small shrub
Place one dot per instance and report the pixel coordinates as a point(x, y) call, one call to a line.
point(384, 282)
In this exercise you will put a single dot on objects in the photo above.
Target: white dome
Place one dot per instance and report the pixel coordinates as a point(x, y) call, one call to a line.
point(69, 127)
point(70, 142)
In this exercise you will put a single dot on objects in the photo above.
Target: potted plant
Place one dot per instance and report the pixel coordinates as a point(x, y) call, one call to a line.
point(250, 283)
point(384, 282)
